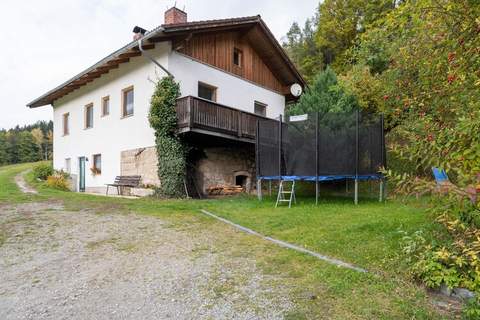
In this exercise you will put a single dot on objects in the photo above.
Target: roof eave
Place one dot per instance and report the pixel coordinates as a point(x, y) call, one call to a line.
point(284, 55)
point(40, 101)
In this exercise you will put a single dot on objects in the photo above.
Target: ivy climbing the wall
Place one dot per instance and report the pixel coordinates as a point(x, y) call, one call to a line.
point(171, 151)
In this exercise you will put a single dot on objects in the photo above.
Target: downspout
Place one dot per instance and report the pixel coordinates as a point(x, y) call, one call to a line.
point(152, 59)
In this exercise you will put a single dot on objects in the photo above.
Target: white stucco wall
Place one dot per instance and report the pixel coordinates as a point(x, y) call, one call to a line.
point(232, 91)
point(111, 134)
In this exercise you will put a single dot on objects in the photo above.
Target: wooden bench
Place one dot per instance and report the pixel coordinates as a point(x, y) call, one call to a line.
point(124, 181)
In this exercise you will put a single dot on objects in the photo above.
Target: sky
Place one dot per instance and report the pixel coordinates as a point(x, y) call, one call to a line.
point(44, 43)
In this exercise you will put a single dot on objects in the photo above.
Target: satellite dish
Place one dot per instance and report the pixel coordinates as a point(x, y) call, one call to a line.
point(296, 90)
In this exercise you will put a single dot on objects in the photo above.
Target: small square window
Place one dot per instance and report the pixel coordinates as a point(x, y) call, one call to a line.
point(66, 128)
point(207, 91)
point(105, 106)
point(97, 163)
point(68, 165)
point(237, 57)
point(127, 102)
point(89, 116)
point(260, 109)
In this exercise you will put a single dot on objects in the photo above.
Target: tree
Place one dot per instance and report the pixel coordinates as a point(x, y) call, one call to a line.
point(340, 23)
point(4, 147)
point(28, 150)
point(42, 134)
point(324, 95)
point(423, 74)
point(302, 49)
point(12, 150)
point(49, 144)
point(39, 139)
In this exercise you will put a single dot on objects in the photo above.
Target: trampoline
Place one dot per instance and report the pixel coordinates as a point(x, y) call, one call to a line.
point(335, 146)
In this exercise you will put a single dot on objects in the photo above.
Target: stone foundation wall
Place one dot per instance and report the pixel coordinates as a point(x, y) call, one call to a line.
point(218, 168)
point(142, 162)
point(221, 164)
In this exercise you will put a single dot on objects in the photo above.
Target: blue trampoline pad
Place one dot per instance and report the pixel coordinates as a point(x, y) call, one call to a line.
point(323, 178)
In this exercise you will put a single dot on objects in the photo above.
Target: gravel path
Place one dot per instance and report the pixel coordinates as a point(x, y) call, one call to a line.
point(22, 184)
point(56, 264)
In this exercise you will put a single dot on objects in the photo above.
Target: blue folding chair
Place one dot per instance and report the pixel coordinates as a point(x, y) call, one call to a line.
point(440, 176)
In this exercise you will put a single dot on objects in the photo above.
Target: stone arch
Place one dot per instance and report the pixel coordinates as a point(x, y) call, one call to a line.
point(244, 179)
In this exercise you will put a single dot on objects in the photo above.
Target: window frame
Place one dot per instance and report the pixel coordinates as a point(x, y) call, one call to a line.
point(106, 98)
point(124, 100)
point(87, 107)
point(66, 120)
point(94, 163)
point(239, 53)
point(209, 86)
point(261, 104)
point(68, 165)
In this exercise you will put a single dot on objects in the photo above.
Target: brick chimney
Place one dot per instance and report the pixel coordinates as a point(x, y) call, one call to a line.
point(175, 15)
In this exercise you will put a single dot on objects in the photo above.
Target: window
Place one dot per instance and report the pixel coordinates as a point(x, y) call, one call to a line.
point(97, 163)
point(207, 91)
point(127, 102)
point(260, 109)
point(105, 106)
point(66, 129)
point(89, 116)
point(237, 57)
point(68, 165)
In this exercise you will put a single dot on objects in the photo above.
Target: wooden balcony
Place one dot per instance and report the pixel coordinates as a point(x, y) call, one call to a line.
point(207, 117)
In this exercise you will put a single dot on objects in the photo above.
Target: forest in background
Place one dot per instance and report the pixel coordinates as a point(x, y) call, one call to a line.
point(28, 143)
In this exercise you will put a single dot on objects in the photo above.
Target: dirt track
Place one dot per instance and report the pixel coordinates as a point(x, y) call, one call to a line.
point(56, 264)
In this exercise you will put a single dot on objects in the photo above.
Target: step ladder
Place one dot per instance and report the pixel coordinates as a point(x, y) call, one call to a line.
point(286, 195)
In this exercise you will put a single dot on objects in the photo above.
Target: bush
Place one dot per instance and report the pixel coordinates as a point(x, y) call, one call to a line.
point(58, 181)
point(43, 171)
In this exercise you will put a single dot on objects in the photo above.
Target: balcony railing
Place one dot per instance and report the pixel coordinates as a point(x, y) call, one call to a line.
point(197, 114)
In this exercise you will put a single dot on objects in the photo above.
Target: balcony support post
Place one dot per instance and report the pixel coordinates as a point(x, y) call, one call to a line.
point(190, 111)
point(239, 122)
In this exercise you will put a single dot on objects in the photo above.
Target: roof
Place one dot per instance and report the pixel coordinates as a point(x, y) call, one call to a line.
point(163, 33)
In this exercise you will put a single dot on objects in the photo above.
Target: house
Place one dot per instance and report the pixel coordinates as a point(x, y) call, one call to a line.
point(231, 72)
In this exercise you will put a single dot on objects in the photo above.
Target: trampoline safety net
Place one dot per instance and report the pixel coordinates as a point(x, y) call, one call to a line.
point(332, 144)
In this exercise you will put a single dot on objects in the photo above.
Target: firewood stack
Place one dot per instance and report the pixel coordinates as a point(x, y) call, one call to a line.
point(224, 190)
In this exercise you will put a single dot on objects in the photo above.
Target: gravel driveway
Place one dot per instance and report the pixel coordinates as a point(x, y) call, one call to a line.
point(56, 264)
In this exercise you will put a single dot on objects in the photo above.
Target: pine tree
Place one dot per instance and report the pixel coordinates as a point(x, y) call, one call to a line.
point(302, 49)
point(28, 150)
point(4, 146)
point(324, 95)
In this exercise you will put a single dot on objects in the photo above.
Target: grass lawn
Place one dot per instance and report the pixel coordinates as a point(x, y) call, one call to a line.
point(366, 235)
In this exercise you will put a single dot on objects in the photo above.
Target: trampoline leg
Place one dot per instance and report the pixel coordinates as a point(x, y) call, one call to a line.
point(317, 191)
point(380, 198)
point(356, 192)
point(346, 186)
point(259, 189)
point(270, 188)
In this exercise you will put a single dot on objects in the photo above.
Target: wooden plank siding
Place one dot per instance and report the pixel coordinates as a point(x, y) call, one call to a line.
point(217, 50)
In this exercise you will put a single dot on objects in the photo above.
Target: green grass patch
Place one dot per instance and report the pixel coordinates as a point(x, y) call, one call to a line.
point(367, 235)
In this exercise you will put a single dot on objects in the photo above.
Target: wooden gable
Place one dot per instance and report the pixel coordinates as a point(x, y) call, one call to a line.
point(217, 49)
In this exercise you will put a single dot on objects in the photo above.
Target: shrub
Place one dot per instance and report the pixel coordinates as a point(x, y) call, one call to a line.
point(58, 181)
point(43, 171)
point(62, 173)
